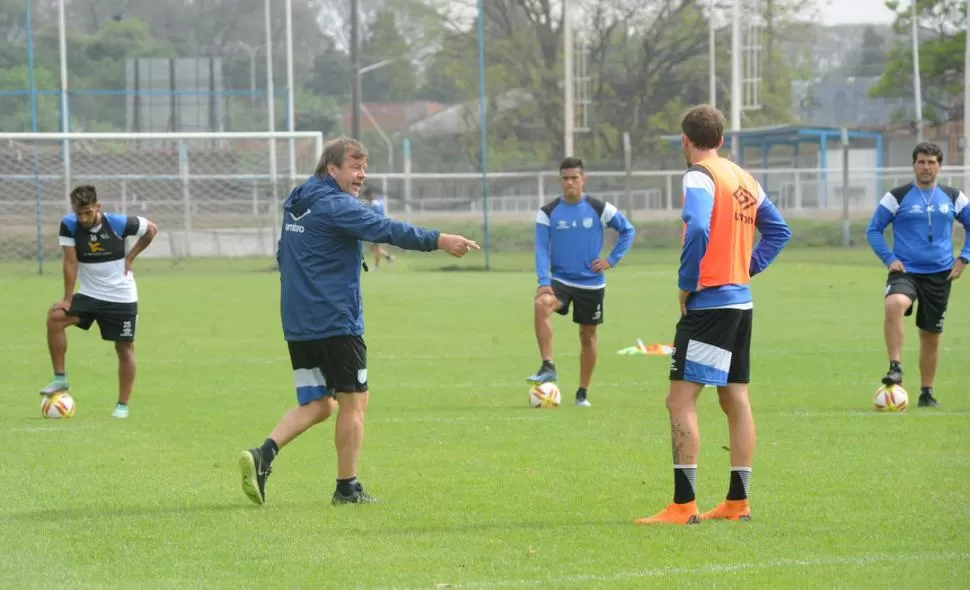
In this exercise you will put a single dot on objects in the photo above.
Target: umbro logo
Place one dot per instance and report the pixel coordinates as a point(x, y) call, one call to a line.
point(744, 198)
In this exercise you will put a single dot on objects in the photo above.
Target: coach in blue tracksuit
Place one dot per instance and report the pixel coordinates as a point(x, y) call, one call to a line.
point(921, 263)
point(569, 239)
point(320, 258)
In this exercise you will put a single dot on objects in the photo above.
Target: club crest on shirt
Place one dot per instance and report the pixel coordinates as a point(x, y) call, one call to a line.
point(587, 222)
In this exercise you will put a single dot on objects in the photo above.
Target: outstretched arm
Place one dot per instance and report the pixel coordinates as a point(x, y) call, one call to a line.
point(354, 219)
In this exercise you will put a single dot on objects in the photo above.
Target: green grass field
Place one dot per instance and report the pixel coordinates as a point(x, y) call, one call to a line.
point(478, 490)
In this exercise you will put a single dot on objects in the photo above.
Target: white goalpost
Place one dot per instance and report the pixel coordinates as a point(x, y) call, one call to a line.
point(212, 194)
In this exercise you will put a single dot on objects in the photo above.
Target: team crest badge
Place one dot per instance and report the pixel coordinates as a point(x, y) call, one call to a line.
point(587, 222)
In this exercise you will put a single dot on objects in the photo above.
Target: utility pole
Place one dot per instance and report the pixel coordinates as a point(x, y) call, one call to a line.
point(355, 92)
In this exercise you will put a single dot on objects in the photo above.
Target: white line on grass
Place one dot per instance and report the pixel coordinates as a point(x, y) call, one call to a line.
point(715, 568)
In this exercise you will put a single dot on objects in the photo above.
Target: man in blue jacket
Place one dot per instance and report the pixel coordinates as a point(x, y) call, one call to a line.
point(569, 239)
point(921, 263)
point(320, 258)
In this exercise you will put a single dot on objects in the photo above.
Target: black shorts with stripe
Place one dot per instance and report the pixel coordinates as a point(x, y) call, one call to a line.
point(324, 367)
point(713, 347)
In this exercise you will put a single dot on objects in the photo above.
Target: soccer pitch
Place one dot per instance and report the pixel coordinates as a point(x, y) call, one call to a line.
point(476, 489)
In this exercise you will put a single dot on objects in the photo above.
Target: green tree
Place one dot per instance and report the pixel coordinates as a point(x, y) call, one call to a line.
point(941, 52)
point(15, 111)
point(395, 82)
point(646, 66)
point(330, 75)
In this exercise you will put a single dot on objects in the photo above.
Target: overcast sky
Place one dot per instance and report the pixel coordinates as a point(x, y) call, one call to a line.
point(856, 11)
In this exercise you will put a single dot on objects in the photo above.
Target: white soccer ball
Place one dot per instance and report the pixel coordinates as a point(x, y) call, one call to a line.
point(891, 399)
point(59, 405)
point(544, 395)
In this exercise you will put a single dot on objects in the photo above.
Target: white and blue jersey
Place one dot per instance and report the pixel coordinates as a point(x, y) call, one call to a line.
point(922, 221)
point(101, 255)
point(569, 237)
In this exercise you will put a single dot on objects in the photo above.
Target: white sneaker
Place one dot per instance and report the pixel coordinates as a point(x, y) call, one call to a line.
point(583, 403)
point(121, 411)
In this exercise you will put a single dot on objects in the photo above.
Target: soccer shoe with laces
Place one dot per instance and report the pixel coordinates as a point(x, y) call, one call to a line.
point(55, 386)
point(582, 401)
point(926, 400)
point(893, 377)
point(358, 497)
point(729, 510)
point(679, 514)
point(121, 411)
point(545, 374)
point(254, 471)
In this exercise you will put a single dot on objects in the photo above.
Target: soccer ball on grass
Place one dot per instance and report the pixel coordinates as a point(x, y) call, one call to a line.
point(891, 398)
point(544, 395)
point(59, 405)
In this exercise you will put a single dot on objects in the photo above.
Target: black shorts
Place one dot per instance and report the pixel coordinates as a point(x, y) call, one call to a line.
point(931, 290)
point(587, 303)
point(322, 368)
point(713, 347)
point(117, 321)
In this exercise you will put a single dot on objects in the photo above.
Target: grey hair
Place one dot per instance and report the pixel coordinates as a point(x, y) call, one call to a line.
point(336, 150)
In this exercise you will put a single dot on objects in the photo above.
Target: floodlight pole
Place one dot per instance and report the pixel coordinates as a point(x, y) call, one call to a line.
point(736, 98)
point(569, 113)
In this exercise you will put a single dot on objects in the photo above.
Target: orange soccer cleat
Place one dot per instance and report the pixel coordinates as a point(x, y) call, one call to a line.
point(729, 510)
point(680, 514)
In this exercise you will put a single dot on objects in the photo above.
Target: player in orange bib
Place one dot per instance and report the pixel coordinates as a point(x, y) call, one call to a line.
point(723, 206)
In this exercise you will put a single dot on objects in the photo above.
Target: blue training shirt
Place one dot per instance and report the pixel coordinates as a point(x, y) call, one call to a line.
point(922, 221)
point(569, 237)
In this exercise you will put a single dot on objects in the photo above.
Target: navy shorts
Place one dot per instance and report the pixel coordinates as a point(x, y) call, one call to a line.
point(322, 368)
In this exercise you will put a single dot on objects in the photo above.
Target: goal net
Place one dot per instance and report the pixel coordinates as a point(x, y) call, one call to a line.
point(211, 194)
